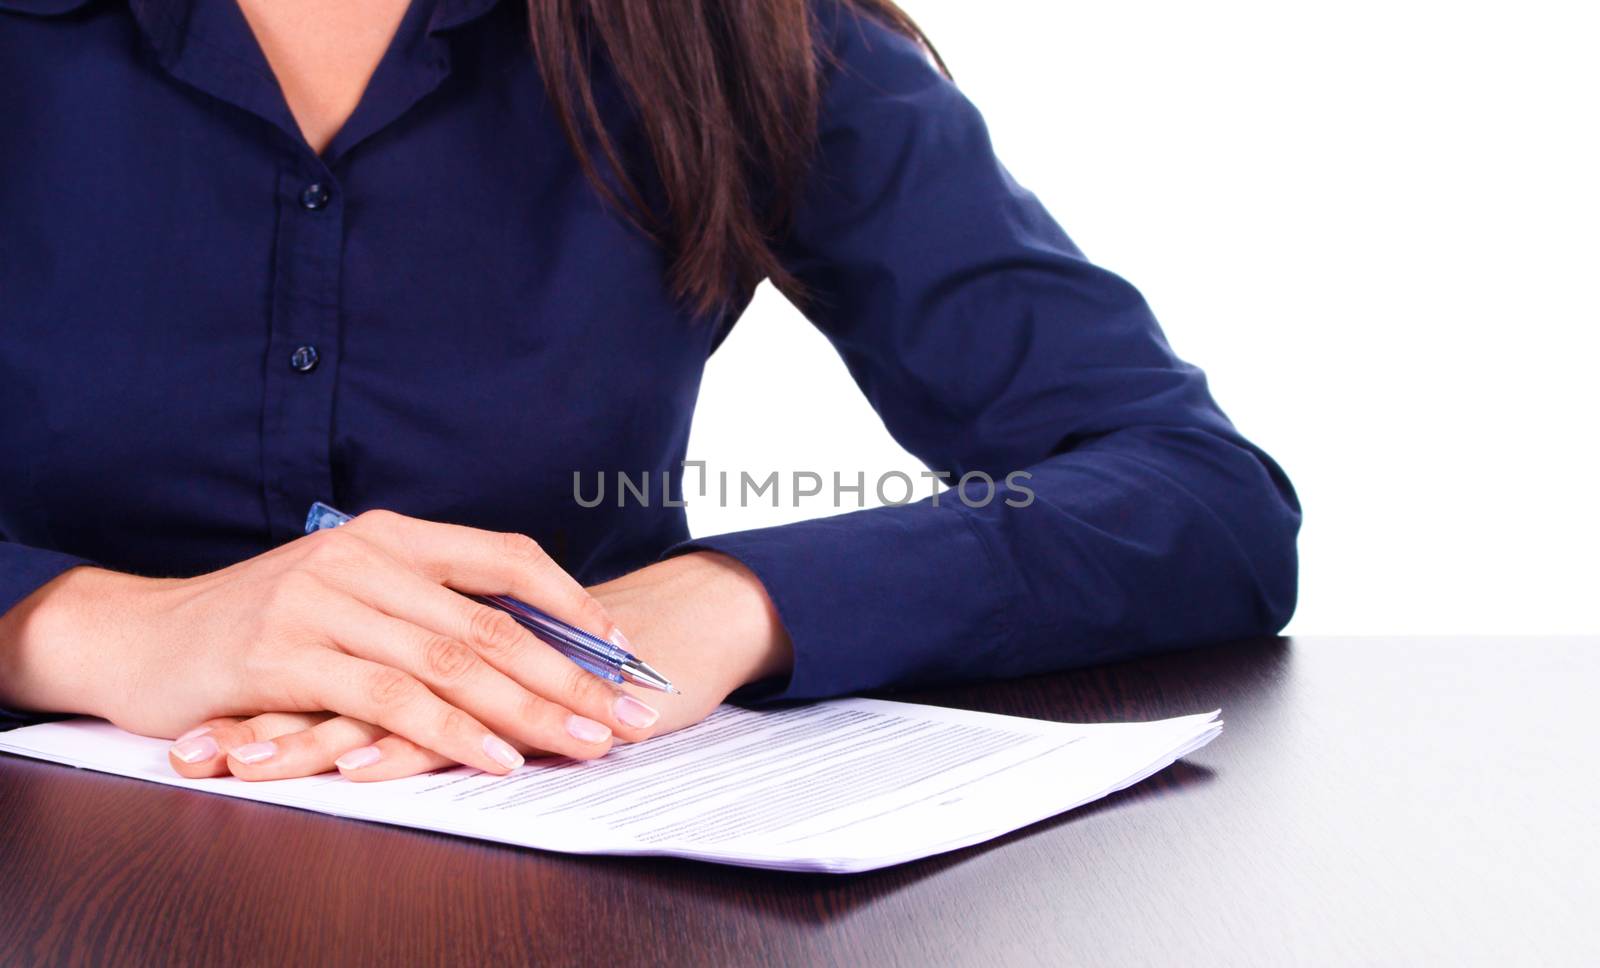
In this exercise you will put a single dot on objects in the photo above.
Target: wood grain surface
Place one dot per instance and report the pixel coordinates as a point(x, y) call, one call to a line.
point(1372, 801)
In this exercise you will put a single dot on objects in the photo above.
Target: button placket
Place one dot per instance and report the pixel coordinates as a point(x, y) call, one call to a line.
point(298, 419)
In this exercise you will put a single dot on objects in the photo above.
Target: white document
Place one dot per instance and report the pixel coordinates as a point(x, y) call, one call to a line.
point(846, 785)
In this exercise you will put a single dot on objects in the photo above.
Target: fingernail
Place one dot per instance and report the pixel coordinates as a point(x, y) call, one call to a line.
point(501, 752)
point(195, 750)
point(634, 713)
point(254, 752)
point(587, 730)
point(191, 734)
point(620, 641)
point(356, 759)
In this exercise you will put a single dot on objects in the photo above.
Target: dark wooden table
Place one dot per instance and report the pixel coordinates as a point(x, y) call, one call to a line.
point(1372, 801)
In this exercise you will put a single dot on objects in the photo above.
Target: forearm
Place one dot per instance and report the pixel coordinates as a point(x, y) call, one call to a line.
point(57, 645)
point(68, 647)
point(1146, 539)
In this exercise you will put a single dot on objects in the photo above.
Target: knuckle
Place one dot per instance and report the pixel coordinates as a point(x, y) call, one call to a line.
point(321, 541)
point(388, 687)
point(453, 722)
point(496, 633)
point(579, 684)
point(521, 549)
point(331, 549)
point(447, 659)
point(593, 615)
point(534, 710)
point(377, 519)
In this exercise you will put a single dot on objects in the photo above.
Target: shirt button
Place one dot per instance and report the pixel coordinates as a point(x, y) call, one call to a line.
point(304, 359)
point(315, 197)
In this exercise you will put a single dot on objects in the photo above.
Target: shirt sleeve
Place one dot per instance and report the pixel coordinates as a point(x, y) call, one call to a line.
point(22, 571)
point(988, 343)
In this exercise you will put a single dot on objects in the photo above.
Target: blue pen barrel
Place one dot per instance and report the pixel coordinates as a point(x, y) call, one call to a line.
point(586, 650)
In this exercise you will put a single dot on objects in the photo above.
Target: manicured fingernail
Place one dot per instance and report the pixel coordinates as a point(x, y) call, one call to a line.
point(191, 734)
point(254, 752)
point(634, 713)
point(195, 750)
point(356, 759)
point(587, 730)
point(620, 641)
point(501, 752)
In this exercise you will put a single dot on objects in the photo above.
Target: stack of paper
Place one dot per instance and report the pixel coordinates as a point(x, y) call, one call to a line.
point(848, 785)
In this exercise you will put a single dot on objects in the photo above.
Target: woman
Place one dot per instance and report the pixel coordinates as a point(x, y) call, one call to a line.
point(256, 253)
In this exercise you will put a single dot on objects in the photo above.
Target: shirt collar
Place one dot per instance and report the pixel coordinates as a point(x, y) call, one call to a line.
point(447, 14)
point(42, 8)
point(207, 44)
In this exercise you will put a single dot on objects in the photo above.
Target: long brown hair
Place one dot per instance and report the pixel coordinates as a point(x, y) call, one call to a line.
point(725, 93)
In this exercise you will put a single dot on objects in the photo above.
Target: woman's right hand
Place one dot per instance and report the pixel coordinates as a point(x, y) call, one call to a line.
point(366, 621)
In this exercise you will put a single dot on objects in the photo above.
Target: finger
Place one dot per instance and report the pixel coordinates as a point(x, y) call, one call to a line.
point(507, 647)
point(386, 696)
point(303, 752)
point(390, 758)
point(196, 754)
point(486, 563)
point(203, 751)
point(393, 758)
point(456, 674)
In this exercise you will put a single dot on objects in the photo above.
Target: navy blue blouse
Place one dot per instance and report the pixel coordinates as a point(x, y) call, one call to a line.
point(205, 326)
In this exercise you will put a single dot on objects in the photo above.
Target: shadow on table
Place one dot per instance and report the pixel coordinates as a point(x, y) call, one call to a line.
point(1248, 680)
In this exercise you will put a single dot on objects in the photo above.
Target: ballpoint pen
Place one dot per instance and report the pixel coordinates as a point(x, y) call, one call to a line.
point(589, 651)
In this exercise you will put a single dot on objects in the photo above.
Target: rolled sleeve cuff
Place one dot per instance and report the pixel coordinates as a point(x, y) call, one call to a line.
point(892, 596)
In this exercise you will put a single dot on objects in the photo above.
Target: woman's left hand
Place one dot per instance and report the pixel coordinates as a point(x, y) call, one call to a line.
point(703, 619)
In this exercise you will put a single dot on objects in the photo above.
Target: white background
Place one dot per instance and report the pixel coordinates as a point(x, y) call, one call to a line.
point(1374, 225)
